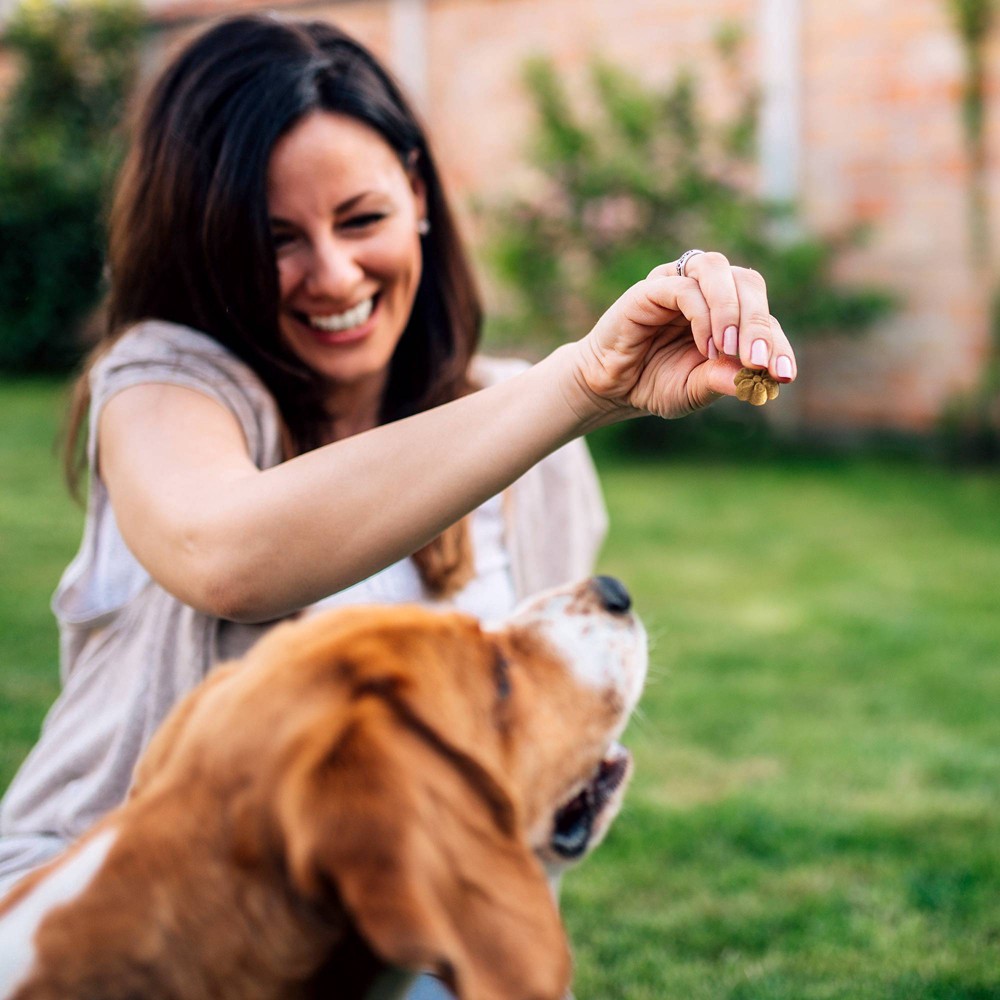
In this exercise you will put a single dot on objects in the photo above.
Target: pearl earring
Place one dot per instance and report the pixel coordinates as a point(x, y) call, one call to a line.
point(423, 226)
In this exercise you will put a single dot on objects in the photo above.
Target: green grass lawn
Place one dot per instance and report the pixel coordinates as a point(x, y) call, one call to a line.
point(816, 807)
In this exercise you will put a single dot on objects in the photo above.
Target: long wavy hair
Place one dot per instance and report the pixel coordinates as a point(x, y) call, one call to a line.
point(190, 242)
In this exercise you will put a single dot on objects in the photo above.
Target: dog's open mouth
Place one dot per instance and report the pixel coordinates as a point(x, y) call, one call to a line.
point(574, 821)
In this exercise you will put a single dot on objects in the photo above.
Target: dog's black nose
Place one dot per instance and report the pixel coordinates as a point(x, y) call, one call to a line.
point(612, 593)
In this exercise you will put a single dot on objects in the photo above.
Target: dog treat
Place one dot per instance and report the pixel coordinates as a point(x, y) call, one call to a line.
point(755, 386)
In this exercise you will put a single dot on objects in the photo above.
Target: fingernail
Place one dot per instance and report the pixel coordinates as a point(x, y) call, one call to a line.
point(784, 367)
point(713, 351)
point(730, 341)
point(759, 353)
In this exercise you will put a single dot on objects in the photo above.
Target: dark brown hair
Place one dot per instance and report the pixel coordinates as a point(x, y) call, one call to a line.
point(190, 242)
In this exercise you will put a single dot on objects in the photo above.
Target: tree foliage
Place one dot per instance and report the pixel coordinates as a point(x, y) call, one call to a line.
point(59, 147)
point(637, 180)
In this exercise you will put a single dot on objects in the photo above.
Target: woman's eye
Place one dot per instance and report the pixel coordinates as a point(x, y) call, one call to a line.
point(363, 221)
point(281, 240)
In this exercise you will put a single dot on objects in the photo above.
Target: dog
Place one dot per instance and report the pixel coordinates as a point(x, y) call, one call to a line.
point(371, 792)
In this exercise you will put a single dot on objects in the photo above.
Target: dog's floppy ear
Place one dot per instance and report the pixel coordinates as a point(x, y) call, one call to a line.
point(425, 855)
point(166, 739)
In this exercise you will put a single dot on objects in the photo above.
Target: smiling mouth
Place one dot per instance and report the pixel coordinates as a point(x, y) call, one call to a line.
point(574, 821)
point(339, 323)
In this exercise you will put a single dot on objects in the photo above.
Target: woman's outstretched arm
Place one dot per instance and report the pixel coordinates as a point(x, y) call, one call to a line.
point(252, 545)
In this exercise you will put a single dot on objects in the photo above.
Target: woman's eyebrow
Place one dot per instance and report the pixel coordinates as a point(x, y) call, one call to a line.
point(346, 206)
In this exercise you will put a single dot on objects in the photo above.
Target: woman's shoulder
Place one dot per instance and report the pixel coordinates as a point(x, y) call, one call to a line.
point(160, 352)
point(155, 340)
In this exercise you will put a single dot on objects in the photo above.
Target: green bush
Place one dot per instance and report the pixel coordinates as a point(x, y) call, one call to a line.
point(59, 147)
point(641, 178)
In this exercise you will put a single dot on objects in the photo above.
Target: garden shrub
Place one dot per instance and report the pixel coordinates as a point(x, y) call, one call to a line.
point(639, 178)
point(59, 147)
point(643, 177)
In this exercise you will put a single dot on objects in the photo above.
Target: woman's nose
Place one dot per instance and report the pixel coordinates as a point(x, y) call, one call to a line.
point(333, 270)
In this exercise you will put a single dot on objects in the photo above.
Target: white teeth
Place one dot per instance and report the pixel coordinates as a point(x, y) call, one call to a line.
point(345, 320)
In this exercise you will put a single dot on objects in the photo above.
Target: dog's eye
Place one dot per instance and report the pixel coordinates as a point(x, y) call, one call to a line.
point(501, 677)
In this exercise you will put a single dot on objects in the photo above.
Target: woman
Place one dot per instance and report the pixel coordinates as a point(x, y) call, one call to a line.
point(289, 309)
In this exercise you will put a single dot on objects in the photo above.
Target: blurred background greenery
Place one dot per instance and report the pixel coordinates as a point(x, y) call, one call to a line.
point(59, 146)
point(642, 170)
point(815, 809)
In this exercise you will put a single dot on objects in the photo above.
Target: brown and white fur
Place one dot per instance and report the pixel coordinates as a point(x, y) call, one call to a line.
point(368, 793)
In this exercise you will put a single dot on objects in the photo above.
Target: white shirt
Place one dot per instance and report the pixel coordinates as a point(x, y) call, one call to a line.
point(489, 596)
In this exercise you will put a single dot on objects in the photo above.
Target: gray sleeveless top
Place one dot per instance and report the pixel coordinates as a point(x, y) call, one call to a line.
point(129, 650)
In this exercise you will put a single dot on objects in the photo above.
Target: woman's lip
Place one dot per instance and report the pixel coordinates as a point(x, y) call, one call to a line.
point(339, 337)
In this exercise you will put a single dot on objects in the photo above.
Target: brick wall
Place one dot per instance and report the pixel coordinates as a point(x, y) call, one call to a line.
point(882, 144)
point(879, 141)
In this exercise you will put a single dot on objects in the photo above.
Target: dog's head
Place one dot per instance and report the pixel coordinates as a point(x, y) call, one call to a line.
point(414, 767)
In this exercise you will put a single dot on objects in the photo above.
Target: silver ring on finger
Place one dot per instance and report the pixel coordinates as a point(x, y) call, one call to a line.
point(683, 259)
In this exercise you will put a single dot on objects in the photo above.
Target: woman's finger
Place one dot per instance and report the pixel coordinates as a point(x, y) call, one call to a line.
point(783, 365)
point(740, 324)
point(701, 325)
point(716, 277)
point(673, 294)
point(757, 335)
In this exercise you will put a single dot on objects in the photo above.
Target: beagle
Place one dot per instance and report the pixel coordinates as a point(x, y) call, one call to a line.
point(370, 792)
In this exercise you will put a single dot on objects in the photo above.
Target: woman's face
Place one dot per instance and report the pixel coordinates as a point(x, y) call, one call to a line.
point(344, 213)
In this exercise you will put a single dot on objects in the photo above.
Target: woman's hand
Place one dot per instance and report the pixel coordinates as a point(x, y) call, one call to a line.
point(672, 344)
